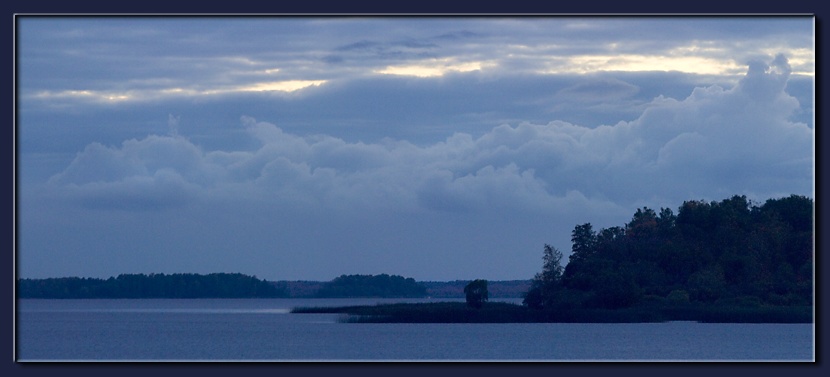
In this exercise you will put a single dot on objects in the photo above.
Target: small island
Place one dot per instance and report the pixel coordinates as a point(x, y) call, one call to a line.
point(727, 261)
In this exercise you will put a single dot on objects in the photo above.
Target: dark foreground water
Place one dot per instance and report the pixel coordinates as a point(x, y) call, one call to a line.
point(263, 330)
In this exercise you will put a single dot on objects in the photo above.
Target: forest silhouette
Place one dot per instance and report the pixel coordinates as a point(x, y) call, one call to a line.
point(730, 260)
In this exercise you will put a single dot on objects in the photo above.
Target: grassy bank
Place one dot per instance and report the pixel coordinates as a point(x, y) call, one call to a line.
point(495, 312)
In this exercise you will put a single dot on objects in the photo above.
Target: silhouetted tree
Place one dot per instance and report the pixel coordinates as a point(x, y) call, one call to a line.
point(551, 267)
point(583, 241)
point(476, 293)
point(583, 248)
point(545, 284)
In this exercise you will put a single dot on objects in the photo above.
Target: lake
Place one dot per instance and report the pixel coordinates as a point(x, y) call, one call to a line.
point(264, 330)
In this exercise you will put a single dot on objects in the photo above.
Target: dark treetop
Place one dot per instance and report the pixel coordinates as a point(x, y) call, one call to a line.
point(727, 252)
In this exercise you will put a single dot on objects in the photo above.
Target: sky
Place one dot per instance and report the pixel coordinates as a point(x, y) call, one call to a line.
point(437, 148)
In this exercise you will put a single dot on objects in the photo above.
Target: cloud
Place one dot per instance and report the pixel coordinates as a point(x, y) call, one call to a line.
point(163, 190)
point(597, 91)
point(713, 143)
point(155, 172)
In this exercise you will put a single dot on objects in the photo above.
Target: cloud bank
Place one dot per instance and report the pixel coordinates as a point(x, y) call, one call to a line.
point(715, 142)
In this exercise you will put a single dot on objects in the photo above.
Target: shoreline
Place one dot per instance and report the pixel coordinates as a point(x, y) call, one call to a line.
point(497, 312)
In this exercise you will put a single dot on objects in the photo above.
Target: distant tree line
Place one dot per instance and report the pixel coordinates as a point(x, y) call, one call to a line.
point(731, 252)
point(225, 285)
point(215, 285)
point(495, 288)
point(434, 289)
point(382, 285)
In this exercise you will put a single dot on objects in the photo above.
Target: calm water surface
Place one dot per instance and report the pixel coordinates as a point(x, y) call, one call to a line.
point(264, 330)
